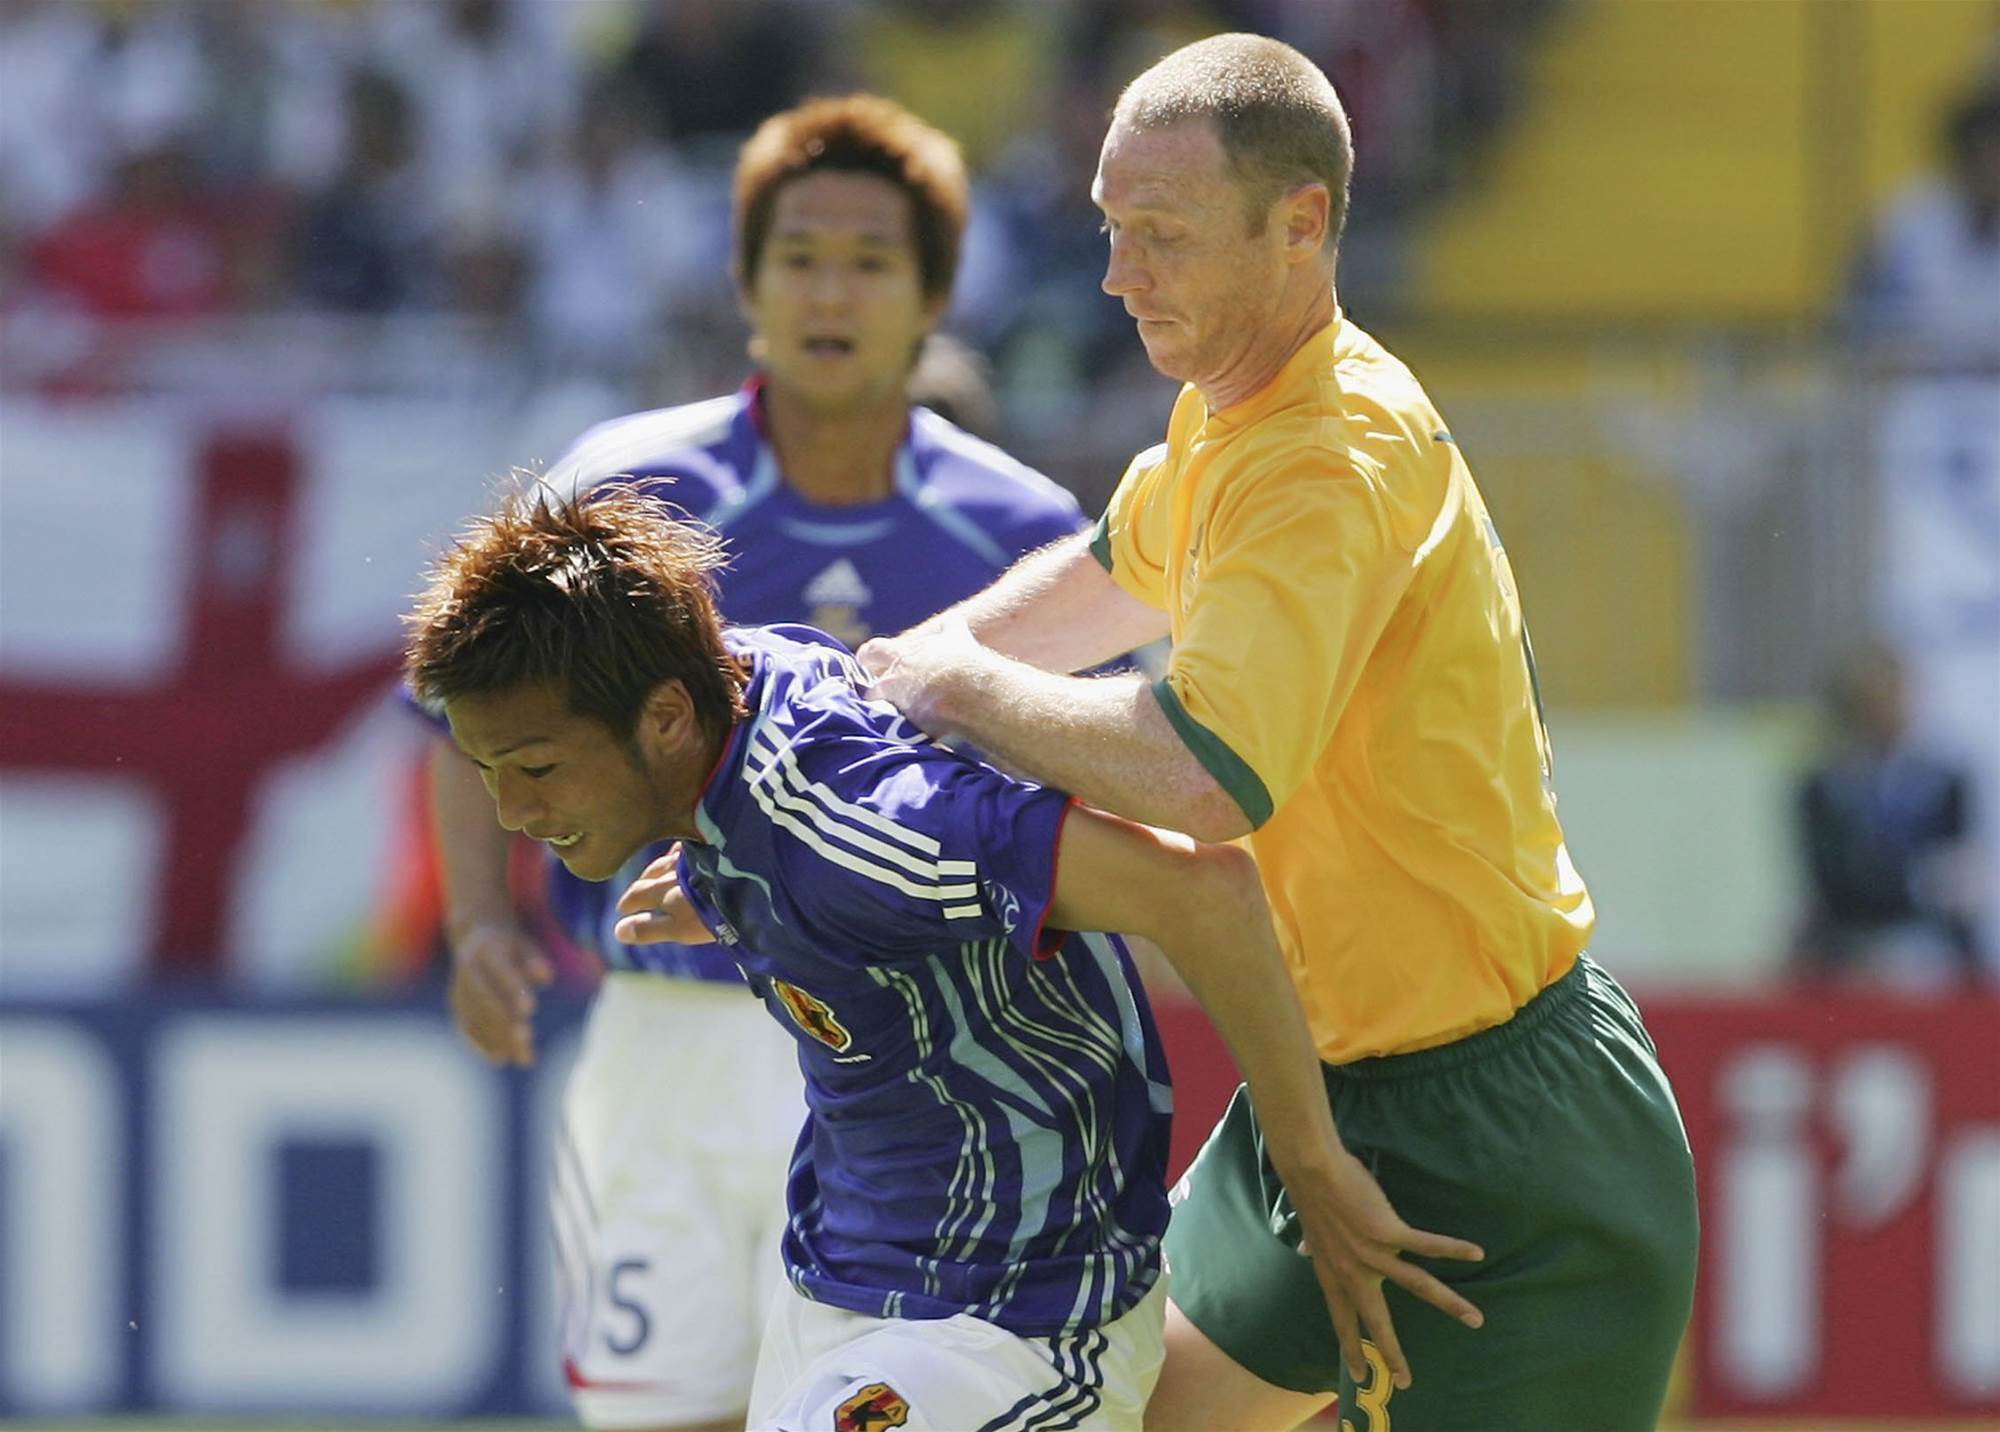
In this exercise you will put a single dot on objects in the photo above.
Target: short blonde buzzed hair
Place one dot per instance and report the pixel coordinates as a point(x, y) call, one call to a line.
point(1280, 123)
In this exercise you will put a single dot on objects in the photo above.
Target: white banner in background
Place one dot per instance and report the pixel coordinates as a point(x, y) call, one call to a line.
point(98, 510)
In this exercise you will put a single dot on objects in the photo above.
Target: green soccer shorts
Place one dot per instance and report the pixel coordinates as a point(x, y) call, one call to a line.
point(1552, 1141)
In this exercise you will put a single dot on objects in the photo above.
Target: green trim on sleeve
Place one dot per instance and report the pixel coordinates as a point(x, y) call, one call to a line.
point(1100, 540)
point(1230, 770)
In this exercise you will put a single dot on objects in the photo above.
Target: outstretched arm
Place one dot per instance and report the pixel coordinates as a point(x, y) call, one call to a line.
point(1104, 739)
point(1204, 907)
point(1056, 609)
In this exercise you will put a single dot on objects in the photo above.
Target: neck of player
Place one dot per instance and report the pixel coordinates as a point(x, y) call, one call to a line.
point(1306, 305)
point(681, 784)
point(838, 458)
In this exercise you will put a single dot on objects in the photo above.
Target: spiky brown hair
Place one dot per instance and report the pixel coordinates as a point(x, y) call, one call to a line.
point(605, 595)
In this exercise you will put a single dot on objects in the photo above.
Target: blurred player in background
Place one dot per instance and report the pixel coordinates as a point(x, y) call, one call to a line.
point(977, 1199)
point(1351, 686)
point(847, 507)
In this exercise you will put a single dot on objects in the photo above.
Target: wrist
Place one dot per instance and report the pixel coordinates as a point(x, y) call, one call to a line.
point(458, 927)
point(956, 690)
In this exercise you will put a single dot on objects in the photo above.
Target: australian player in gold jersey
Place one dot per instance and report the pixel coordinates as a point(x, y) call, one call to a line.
point(1351, 686)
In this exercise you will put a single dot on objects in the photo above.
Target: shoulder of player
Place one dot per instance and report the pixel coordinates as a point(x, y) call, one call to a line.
point(693, 443)
point(852, 805)
point(969, 472)
point(1361, 465)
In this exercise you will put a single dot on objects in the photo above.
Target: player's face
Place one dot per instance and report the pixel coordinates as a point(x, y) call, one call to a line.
point(837, 300)
point(566, 780)
point(1183, 259)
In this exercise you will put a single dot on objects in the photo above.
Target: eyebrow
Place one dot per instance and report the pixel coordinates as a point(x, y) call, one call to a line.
point(810, 231)
point(1151, 202)
point(504, 750)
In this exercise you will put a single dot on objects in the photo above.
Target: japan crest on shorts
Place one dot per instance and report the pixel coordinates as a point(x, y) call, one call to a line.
point(873, 1408)
point(815, 1016)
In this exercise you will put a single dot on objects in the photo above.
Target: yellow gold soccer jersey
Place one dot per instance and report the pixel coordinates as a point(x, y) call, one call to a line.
point(1349, 662)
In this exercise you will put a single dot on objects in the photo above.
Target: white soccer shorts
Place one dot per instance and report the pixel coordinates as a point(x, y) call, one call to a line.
point(824, 1369)
point(669, 1199)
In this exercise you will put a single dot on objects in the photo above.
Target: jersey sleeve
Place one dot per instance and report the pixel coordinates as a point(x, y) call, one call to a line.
point(1294, 582)
point(919, 850)
point(687, 482)
point(1118, 540)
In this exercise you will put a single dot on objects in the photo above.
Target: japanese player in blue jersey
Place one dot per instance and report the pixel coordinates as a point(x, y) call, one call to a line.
point(845, 506)
point(975, 1204)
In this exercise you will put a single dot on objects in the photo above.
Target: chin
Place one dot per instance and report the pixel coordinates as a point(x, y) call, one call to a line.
point(1167, 363)
point(587, 867)
point(1165, 359)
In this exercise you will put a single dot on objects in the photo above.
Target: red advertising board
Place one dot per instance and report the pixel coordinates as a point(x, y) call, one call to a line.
point(1848, 1153)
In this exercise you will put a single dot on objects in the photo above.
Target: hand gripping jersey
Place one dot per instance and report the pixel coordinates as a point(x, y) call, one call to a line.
point(989, 1104)
point(960, 512)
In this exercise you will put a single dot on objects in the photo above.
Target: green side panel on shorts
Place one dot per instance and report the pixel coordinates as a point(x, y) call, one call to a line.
point(1556, 1147)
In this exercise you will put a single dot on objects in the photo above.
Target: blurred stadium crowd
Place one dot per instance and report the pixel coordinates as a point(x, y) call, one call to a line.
point(559, 173)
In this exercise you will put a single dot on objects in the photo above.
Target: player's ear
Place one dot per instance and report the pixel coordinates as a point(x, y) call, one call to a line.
point(668, 717)
point(1305, 214)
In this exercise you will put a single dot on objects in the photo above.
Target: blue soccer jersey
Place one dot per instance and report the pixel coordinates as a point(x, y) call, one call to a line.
point(960, 512)
point(989, 1103)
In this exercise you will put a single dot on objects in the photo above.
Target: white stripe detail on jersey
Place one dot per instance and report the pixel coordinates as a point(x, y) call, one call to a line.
point(763, 482)
point(1094, 1039)
point(775, 752)
point(963, 1202)
point(785, 813)
point(985, 971)
point(816, 815)
point(793, 791)
point(812, 840)
point(927, 500)
point(614, 448)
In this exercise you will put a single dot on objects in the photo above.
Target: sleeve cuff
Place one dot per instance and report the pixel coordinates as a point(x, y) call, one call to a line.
point(1230, 770)
point(1100, 540)
point(1044, 942)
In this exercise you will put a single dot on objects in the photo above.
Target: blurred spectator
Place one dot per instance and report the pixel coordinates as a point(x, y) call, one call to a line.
point(1929, 292)
point(363, 244)
point(1382, 57)
point(153, 247)
point(1884, 830)
point(712, 70)
point(47, 158)
point(615, 230)
point(487, 83)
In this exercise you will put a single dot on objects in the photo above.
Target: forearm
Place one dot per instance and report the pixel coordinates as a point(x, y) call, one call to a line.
point(471, 843)
point(1103, 739)
point(1215, 930)
point(1057, 610)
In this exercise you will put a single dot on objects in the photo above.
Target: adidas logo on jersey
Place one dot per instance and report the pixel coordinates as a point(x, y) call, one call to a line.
point(840, 585)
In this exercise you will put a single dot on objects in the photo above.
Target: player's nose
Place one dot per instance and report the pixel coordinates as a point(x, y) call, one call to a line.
point(514, 802)
point(832, 287)
point(1121, 274)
